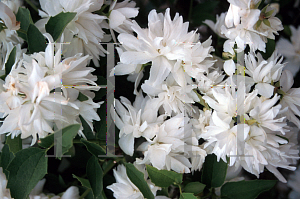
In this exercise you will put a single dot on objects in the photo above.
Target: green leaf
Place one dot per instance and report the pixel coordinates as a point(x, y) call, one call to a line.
point(35, 39)
point(194, 187)
point(27, 168)
point(101, 126)
point(187, 196)
point(95, 176)
point(24, 17)
point(63, 139)
point(56, 25)
point(93, 148)
point(287, 30)
point(6, 157)
point(15, 144)
point(137, 178)
point(163, 178)
point(10, 61)
point(246, 189)
point(270, 47)
point(84, 182)
point(82, 97)
point(87, 131)
point(214, 172)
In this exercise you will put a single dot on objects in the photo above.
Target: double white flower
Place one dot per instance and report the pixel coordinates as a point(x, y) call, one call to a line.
point(29, 98)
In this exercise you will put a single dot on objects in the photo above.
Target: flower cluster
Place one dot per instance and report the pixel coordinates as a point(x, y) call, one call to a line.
point(240, 116)
point(37, 90)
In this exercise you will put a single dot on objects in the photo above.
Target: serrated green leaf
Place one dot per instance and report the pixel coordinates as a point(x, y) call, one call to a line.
point(163, 178)
point(194, 187)
point(6, 157)
point(15, 144)
point(84, 182)
point(214, 172)
point(63, 139)
point(246, 189)
point(56, 25)
point(27, 168)
point(10, 61)
point(95, 176)
point(35, 39)
point(137, 178)
point(24, 17)
point(187, 196)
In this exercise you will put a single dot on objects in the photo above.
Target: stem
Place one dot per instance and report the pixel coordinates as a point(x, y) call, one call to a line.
point(32, 5)
point(190, 10)
point(85, 193)
point(180, 189)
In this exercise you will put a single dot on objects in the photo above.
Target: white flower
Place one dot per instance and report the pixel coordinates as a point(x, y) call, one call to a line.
point(290, 98)
point(8, 17)
point(172, 145)
point(120, 14)
point(291, 50)
point(245, 24)
point(125, 189)
point(216, 27)
point(264, 72)
point(133, 121)
point(171, 96)
point(36, 193)
point(84, 31)
point(13, 4)
point(29, 100)
point(169, 50)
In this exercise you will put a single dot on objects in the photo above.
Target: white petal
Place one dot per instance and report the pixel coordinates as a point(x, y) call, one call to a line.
point(229, 67)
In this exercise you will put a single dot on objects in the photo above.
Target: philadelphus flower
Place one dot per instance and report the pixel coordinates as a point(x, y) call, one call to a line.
point(30, 103)
point(120, 14)
point(172, 145)
point(84, 31)
point(125, 189)
point(168, 46)
point(8, 27)
point(264, 72)
point(13, 4)
point(245, 24)
point(260, 128)
point(134, 120)
point(291, 50)
point(36, 193)
point(8, 17)
point(290, 97)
